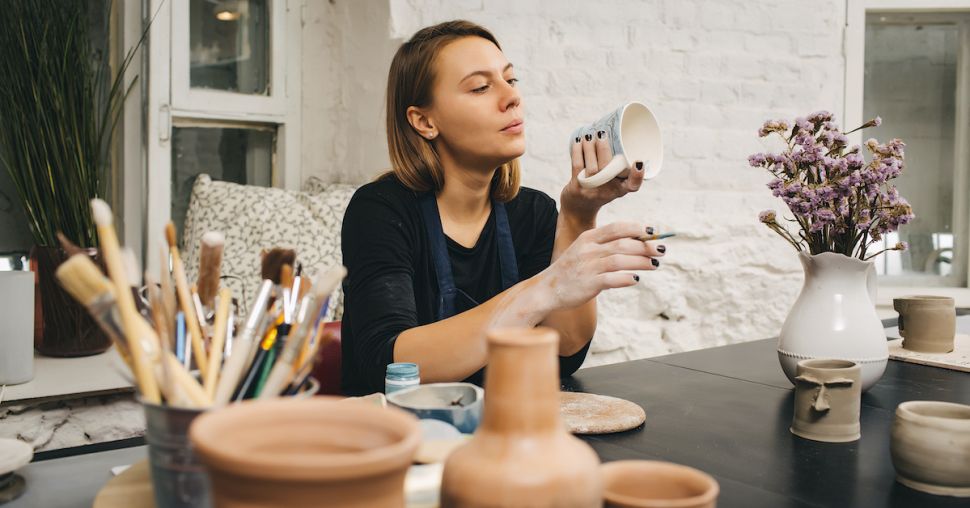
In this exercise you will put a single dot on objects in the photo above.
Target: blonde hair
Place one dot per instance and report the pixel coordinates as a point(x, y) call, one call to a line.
point(414, 160)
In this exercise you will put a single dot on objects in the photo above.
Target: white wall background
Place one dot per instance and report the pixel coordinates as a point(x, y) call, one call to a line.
point(713, 71)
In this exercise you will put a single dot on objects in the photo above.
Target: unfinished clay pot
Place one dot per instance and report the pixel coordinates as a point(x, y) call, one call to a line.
point(926, 323)
point(828, 398)
point(521, 454)
point(306, 453)
point(656, 484)
point(930, 447)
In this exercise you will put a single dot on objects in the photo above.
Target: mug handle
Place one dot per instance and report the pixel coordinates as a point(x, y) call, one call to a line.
point(614, 168)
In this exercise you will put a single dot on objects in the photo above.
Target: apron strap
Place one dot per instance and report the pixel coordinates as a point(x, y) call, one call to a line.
point(506, 249)
point(442, 261)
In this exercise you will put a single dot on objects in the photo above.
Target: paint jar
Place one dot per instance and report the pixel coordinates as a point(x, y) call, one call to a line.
point(400, 376)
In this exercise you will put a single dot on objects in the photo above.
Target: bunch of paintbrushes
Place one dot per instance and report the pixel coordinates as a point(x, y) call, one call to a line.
point(181, 326)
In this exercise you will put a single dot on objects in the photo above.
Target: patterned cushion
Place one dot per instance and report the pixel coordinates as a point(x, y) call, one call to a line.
point(254, 219)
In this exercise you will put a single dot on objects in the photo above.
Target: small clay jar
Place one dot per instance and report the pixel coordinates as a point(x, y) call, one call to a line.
point(319, 451)
point(926, 323)
point(828, 398)
point(930, 447)
point(656, 484)
point(521, 454)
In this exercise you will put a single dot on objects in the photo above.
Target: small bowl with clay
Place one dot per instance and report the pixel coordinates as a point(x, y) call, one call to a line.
point(459, 404)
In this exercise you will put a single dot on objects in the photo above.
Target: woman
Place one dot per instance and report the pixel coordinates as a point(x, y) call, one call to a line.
point(447, 245)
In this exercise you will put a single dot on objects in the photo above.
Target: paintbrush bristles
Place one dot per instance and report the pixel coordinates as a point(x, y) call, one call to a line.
point(170, 237)
point(273, 261)
point(101, 213)
point(210, 265)
point(82, 279)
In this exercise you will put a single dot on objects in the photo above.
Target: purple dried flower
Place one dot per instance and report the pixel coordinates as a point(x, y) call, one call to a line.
point(902, 246)
point(767, 216)
point(757, 160)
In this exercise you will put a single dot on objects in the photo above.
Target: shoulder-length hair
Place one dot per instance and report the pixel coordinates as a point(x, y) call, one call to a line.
point(414, 160)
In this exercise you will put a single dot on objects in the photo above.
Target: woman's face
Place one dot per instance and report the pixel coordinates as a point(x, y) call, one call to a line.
point(476, 108)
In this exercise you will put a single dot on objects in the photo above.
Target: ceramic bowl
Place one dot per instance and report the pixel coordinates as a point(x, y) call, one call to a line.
point(301, 453)
point(656, 484)
point(459, 404)
point(930, 447)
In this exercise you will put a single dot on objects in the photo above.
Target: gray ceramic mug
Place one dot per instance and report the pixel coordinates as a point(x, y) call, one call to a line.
point(926, 323)
point(634, 135)
point(828, 400)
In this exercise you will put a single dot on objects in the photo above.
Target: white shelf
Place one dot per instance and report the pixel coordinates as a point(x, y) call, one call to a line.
point(60, 377)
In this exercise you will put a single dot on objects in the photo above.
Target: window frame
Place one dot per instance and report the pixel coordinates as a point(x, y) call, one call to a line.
point(856, 11)
point(170, 103)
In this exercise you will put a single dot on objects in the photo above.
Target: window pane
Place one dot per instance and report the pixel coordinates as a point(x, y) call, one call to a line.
point(229, 45)
point(910, 81)
point(240, 155)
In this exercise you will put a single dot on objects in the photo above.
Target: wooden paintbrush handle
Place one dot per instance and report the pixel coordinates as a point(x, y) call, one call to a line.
point(218, 341)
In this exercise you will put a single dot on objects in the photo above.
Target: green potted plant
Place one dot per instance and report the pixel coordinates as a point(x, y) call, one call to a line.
point(59, 105)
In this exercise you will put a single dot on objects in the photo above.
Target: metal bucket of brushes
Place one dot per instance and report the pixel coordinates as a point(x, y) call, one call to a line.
point(178, 478)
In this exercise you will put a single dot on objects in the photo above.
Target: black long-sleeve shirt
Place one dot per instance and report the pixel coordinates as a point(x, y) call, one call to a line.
point(391, 284)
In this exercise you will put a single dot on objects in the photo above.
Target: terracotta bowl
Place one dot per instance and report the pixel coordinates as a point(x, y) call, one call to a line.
point(656, 484)
point(930, 447)
point(300, 453)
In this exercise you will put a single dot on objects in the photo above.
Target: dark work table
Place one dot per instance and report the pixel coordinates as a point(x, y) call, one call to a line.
point(727, 411)
point(723, 410)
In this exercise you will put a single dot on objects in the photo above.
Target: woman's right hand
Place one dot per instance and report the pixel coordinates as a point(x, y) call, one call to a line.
point(600, 258)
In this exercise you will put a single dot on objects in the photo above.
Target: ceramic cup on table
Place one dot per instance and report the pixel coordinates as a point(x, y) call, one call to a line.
point(656, 484)
point(633, 134)
point(930, 447)
point(926, 323)
point(828, 399)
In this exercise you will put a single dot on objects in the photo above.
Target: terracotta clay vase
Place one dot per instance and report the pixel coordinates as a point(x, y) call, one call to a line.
point(828, 400)
point(314, 452)
point(930, 447)
point(656, 484)
point(522, 454)
point(928, 324)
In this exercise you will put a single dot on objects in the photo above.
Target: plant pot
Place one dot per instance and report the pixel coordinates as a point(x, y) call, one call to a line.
point(62, 326)
point(17, 319)
point(835, 317)
point(522, 454)
point(320, 451)
point(930, 447)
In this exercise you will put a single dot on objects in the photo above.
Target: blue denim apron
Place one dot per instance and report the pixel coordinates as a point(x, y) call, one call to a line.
point(452, 300)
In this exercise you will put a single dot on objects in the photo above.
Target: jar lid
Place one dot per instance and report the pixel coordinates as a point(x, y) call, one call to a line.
point(402, 369)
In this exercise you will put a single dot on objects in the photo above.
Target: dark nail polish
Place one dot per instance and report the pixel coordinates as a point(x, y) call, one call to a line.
point(661, 249)
point(639, 165)
point(655, 261)
point(577, 139)
point(589, 137)
point(636, 278)
point(649, 230)
point(600, 134)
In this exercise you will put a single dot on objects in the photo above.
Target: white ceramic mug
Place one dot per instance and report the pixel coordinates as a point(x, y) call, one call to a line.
point(634, 135)
point(16, 327)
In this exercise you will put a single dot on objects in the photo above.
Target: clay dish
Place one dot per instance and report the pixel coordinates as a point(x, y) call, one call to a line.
point(930, 447)
point(656, 484)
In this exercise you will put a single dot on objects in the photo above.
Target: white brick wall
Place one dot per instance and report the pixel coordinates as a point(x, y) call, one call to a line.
point(711, 70)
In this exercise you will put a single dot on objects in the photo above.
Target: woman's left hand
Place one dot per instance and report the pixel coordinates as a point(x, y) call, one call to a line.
point(593, 153)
